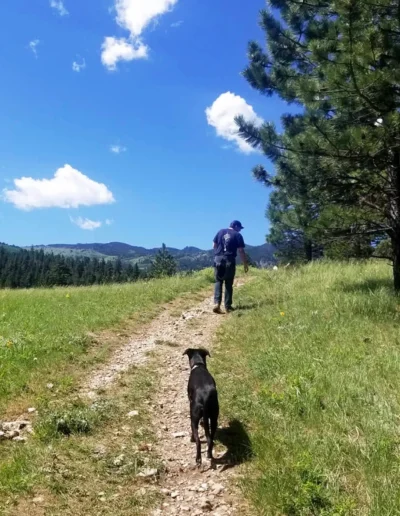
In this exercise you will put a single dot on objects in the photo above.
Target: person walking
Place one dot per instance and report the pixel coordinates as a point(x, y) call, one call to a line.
point(227, 243)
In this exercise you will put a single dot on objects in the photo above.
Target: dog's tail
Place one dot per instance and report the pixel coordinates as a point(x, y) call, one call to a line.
point(211, 413)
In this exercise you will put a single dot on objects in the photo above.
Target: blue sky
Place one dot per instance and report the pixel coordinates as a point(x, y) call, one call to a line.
point(109, 140)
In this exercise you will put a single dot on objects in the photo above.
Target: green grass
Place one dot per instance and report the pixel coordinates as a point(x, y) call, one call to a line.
point(58, 336)
point(311, 367)
point(44, 333)
point(92, 468)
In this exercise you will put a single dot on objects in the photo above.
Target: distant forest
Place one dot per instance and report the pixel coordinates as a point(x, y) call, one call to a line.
point(21, 268)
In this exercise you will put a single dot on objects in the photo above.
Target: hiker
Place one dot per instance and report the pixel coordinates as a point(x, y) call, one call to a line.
point(227, 243)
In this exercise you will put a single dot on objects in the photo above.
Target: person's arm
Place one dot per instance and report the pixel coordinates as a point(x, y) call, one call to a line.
point(241, 246)
point(244, 259)
point(215, 241)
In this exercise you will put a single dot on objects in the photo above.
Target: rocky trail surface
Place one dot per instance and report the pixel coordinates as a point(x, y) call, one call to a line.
point(185, 488)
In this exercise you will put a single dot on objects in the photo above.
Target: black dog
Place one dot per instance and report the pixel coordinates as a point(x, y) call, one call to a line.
point(203, 399)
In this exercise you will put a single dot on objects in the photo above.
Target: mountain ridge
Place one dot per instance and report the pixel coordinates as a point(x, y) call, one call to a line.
point(189, 257)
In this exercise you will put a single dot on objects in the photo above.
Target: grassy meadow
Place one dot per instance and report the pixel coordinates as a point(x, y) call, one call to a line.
point(308, 373)
point(45, 334)
point(311, 367)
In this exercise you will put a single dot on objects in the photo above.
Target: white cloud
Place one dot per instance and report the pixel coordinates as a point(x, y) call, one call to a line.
point(122, 49)
point(33, 46)
point(177, 24)
point(136, 15)
point(133, 16)
point(69, 188)
point(77, 67)
point(117, 149)
point(109, 222)
point(87, 224)
point(58, 5)
point(221, 115)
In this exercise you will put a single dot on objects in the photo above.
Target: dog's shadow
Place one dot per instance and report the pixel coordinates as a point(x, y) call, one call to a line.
point(236, 439)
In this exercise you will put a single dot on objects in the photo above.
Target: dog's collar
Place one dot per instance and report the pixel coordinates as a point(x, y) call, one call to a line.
point(196, 366)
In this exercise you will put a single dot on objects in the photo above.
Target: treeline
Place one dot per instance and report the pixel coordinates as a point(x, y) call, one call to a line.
point(336, 180)
point(26, 269)
point(20, 268)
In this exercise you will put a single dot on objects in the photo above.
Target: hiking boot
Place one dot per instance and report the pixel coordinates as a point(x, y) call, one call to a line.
point(217, 309)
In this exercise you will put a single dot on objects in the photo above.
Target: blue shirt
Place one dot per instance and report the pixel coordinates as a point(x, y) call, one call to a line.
point(228, 241)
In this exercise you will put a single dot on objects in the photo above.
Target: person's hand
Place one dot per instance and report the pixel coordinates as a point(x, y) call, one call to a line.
point(246, 268)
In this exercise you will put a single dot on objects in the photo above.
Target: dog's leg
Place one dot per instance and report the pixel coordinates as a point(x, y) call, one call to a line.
point(195, 434)
point(208, 437)
point(214, 426)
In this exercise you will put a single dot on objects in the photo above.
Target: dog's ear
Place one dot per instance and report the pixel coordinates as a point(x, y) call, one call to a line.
point(187, 352)
point(205, 353)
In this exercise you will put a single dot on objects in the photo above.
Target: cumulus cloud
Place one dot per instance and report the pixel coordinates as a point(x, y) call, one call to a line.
point(133, 16)
point(221, 115)
point(87, 224)
point(69, 188)
point(121, 49)
point(117, 149)
point(58, 5)
point(33, 46)
point(77, 67)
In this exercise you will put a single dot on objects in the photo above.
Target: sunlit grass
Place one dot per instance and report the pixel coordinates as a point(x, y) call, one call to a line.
point(311, 366)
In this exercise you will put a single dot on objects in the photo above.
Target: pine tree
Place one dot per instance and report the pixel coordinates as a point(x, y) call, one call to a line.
point(340, 61)
point(164, 264)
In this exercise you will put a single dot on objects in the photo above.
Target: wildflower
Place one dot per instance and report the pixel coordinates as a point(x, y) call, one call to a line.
point(9, 344)
point(282, 314)
point(67, 296)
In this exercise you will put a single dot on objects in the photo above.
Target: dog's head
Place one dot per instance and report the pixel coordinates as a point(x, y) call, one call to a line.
point(197, 356)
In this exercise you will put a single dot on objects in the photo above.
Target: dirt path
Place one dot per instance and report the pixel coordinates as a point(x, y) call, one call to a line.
point(186, 489)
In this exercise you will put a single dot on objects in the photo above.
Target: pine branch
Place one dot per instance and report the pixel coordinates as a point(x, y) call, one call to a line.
point(249, 132)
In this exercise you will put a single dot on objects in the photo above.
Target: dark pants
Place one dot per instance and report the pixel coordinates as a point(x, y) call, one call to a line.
point(228, 279)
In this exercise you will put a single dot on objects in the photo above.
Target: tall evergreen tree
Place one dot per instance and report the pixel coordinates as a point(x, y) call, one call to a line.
point(164, 264)
point(340, 61)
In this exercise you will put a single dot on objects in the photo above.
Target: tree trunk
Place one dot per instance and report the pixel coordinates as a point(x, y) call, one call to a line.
point(308, 249)
point(395, 216)
point(396, 261)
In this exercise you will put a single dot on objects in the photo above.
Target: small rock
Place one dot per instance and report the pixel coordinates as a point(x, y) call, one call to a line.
point(31, 410)
point(100, 450)
point(206, 505)
point(12, 434)
point(165, 491)
point(179, 434)
point(145, 447)
point(148, 473)
point(174, 494)
point(9, 427)
point(50, 386)
point(217, 489)
point(102, 493)
point(102, 499)
point(19, 439)
point(119, 460)
point(185, 508)
point(133, 413)
point(38, 499)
